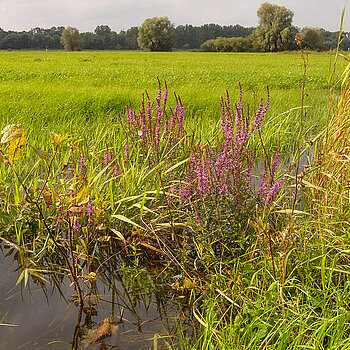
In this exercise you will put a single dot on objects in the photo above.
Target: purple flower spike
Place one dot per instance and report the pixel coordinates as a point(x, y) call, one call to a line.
point(126, 150)
point(90, 212)
point(165, 96)
point(76, 225)
point(82, 165)
point(273, 191)
point(107, 157)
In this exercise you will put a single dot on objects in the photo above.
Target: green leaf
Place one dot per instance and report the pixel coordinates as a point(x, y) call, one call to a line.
point(176, 165)
point(127, 220)
point(40, 153)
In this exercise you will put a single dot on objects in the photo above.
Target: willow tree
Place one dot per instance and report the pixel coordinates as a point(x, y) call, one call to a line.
point(71, 40)
point(156, 34)
point(275, 31)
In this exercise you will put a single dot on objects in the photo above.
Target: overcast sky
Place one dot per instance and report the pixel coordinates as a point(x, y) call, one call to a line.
point(123, 14)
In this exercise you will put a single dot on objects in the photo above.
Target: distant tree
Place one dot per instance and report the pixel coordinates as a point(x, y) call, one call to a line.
point(345, 42)
point(103, 30)
point(105, 34)
point(312, 39)
point(187, 37)
point(131, 38)
point(91, 41)
point(70, 39)
point(156, 34)
point(226, 45)
point(275, 31)
point(190, 37)
point(330, 39)
point(127, 40)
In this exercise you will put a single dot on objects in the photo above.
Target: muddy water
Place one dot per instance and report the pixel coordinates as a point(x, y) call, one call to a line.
point(49, 322)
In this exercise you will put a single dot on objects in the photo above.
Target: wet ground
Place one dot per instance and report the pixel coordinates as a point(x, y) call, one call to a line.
point(40, 321)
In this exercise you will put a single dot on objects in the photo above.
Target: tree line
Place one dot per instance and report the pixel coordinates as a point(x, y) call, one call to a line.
point(275, 32)
point(104, 38)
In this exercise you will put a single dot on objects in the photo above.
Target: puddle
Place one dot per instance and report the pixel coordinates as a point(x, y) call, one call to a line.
point(48, 321)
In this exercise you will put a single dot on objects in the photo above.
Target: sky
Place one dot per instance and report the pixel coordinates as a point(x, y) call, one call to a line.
point(122, 14)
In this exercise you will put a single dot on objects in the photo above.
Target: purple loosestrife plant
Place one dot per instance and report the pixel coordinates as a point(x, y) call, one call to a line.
point(213, 184)
point(219, 177)
point(159, 129)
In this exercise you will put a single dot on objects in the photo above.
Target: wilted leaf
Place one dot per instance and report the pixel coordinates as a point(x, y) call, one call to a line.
point(290, 211)
point(118, 234)
point(146, 245)
point(13, 245)
point(14, 150)
point(78, 210)
point(104, 239)
point(101, 227)
point(11, 132)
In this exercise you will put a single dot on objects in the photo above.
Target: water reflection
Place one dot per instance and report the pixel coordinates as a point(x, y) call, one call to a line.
point(46, 321)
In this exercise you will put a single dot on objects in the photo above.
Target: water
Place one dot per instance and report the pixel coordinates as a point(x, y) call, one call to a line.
point(47, 321)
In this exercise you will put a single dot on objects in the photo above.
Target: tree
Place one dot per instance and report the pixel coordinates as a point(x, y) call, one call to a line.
point(275, 31)
point(131, 38)
point(105, 34)
point(312, 39)
point(91, 41)
point(156, 34)
point(70, 39)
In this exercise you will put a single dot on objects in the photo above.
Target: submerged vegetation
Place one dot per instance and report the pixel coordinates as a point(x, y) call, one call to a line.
point(255, 242)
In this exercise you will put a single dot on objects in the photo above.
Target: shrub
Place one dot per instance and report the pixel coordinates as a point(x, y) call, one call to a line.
point(226, 45)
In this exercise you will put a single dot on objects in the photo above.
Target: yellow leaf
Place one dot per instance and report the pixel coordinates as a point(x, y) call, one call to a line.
point(82, 196)
point(58, 139)
point(90, 277)
point(11, 132)
point(188, 284)
point(14, 150)
point(118, 234)
point(47, 197)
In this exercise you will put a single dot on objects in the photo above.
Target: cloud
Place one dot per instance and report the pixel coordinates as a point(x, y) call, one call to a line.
point(122, 14)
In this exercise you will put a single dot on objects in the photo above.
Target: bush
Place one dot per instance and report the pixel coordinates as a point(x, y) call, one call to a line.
point(226, 45)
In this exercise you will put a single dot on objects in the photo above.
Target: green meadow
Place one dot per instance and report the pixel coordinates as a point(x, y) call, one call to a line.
point(65, 91)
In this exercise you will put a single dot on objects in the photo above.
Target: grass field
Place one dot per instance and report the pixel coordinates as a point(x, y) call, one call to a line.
point(80, 90)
